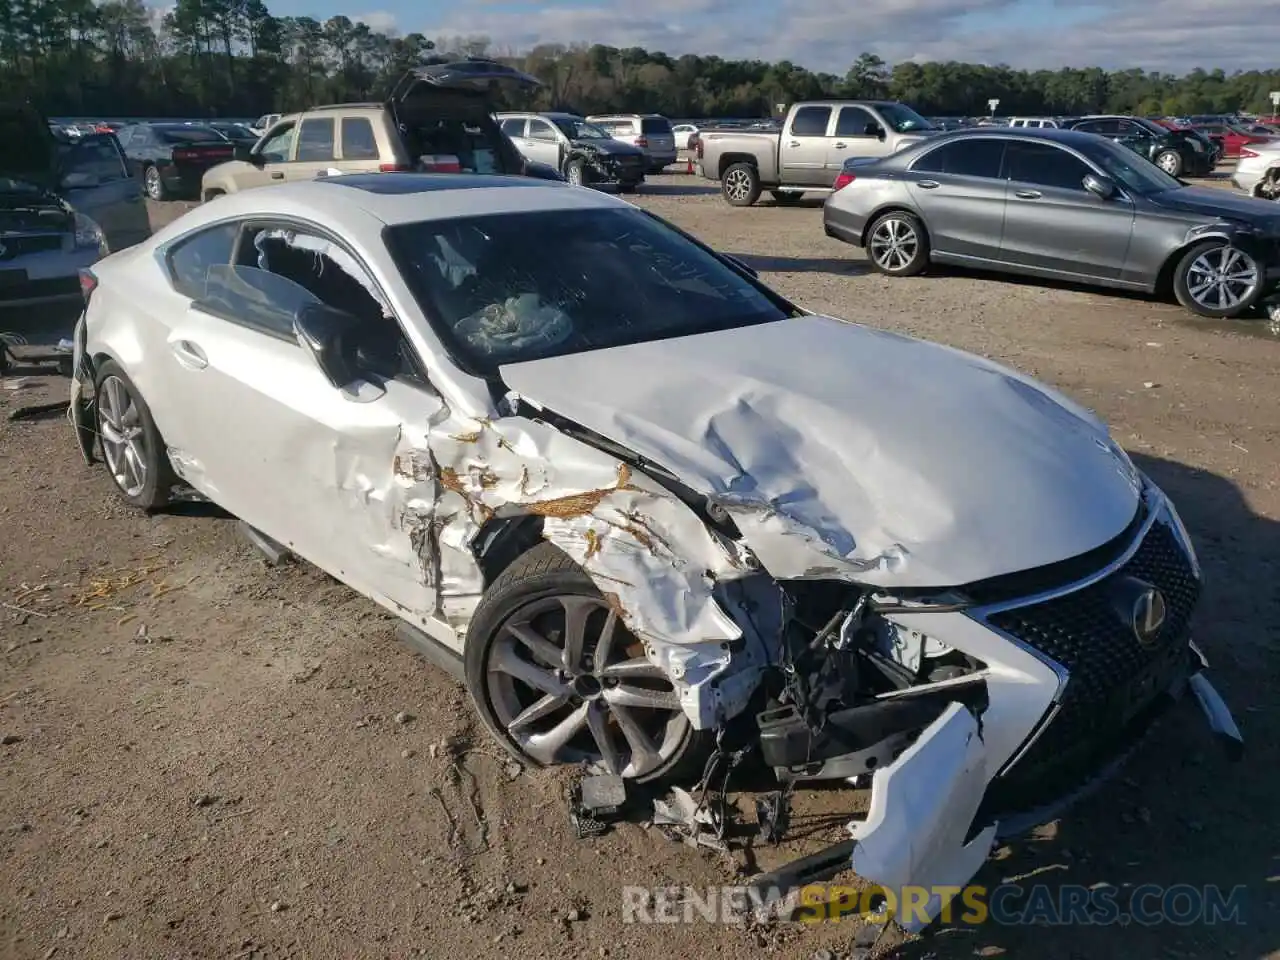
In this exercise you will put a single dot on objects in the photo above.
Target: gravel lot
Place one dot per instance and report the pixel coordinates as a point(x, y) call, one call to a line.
point(206, 757)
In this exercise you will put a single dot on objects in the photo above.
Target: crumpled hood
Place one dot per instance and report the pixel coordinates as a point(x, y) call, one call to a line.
point(1219, 203)
point(848, 452)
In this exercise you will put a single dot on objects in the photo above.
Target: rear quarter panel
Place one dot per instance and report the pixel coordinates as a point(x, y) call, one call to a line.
point(720, 150)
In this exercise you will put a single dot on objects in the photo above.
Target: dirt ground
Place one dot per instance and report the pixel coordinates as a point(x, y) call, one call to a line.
point(207, 757)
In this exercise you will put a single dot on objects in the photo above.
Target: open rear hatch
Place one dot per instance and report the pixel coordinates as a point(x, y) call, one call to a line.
point(29, 201)
point(443, 110)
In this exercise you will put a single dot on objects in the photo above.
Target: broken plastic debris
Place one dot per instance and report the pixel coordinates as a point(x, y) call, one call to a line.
point(693, 823)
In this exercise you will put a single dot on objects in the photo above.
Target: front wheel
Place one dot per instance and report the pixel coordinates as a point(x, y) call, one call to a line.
point(1170, 161)
point(898, 245)
point(1217, 280)
point(576, 173)
point(559, 679)
point(740, 184)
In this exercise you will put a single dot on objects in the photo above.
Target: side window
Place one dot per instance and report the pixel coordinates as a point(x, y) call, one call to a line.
point(853, 122)
point(358, 141)
point(124, 136)
point(279, 143)
point(513, 126)
point(315, 139)
point(1047, 166)
point(977, 157)
point(1127, 128)
point(541, 130)
point(191, 259)
point(95, 159)
point(810, 122)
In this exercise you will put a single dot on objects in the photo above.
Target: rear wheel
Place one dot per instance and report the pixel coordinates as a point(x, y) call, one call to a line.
point(1170, 161)
point(154, 183)
point(134, 451)
point(1215, 279)
point(740, 184)
point(898, 245)
point(559, 679)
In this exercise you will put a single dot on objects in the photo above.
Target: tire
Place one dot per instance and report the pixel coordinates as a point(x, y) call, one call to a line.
point(740, 184)
point(1170, 161)
point(1206, 258)
point(119, 411)
point(576, 173)
point(534, 595)
point(898, 244)
point(154, 183)
point(786, 196)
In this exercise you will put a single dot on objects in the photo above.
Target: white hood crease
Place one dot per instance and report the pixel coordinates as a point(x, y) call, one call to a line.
point(845, 452)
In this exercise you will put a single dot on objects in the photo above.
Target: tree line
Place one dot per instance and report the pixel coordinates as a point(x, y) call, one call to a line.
point(210, 58)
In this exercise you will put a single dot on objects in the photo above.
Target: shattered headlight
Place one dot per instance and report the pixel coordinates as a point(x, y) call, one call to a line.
point(89, 234)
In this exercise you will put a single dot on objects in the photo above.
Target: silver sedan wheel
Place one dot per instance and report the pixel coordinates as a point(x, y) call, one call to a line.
point(894, 244)
point(152, 179)
point(570, 684)
point(1168, 162)
point(737, 184)
point(1222, 278)
point(123, 436)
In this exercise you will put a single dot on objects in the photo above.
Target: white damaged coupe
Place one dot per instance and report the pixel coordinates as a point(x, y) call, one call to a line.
point(635, 499)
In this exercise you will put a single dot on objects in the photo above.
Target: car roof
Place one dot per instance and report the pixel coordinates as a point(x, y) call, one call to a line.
point(1070, 138)
point(395, 198)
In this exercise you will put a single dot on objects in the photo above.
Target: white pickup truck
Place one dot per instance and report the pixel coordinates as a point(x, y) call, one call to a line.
point(809, 152)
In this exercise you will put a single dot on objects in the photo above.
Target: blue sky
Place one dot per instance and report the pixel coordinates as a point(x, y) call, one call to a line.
point(1172, 35)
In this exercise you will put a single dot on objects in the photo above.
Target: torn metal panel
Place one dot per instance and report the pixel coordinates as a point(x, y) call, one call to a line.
point(845, 452)
point(922, 806)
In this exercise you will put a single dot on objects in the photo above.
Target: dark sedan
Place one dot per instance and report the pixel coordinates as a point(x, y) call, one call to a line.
point(1177, 152)
point(172, 157)
point(238, 133)
point(1057, 204)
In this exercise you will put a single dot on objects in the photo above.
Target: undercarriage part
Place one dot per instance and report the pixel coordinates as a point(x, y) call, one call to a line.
point(274, 553)
point(595, 802)
point(787, 742)
point(773, 815)
point(438, 654)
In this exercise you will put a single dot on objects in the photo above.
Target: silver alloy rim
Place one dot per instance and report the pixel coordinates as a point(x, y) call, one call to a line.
point(894, 244)
point(153, 182)
point(570, 684)
point(123, 442)
point(1168, 162)
point(575, 175)
point(738, 184)
point(1222, 278)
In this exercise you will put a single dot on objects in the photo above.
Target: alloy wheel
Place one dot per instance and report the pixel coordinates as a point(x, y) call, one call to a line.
point(123, 436)
point(894, 244)
point(575, 175)
point(153, 183)
point(1168, 162)
point(737, 184)
point(570, 684)
point(1222, 278)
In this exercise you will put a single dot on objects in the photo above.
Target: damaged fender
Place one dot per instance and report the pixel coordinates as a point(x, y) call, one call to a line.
point(922, 805)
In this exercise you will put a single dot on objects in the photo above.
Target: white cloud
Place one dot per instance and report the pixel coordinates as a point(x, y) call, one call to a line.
point(379, 21)
point(1174, 35)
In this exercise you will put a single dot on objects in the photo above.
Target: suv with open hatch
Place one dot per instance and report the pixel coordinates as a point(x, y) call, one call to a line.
point(437, 119)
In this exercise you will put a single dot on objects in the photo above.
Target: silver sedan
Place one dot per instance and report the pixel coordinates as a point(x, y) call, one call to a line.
point(1058, 204)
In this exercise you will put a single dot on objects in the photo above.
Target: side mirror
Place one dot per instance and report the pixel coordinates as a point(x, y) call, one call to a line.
point(331, 336)
point(1102, 187)
point(739, 265)
point(874, 130)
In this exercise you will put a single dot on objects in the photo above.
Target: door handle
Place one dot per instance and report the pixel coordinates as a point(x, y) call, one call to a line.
point(841, 146)
point(190, 355)
point(277, 175)
point(794, 143)
point(1028, 194)
point(928, 184)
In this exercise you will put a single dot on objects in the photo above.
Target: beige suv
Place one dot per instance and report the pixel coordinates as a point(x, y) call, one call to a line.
point(437, 119)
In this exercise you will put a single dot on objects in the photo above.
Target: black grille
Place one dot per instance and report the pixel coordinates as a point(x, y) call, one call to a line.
point(1113, 678)
point(11, 247)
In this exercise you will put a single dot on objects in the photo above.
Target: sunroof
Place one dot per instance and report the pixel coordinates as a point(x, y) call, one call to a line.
point(404, 183)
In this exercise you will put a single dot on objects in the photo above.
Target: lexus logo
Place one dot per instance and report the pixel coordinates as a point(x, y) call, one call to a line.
point(1149, 614)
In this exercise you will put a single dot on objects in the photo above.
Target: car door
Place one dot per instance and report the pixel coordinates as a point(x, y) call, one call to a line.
point(97, 182)
point(1052, 224)
point(316, 149)
point(542, 142)
point(959, 189)
point(514, 127)
point(272, 156)
point(803, 150)
point(858, 133)
point(265, 435)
